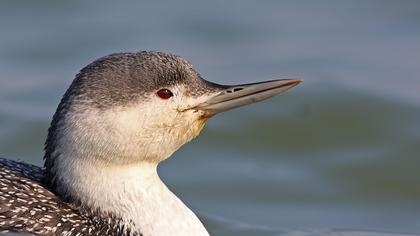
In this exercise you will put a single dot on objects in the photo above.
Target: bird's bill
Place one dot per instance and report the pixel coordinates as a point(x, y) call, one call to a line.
point(240, 95)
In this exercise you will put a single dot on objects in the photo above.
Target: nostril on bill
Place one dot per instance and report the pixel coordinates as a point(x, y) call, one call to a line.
point(234, 90)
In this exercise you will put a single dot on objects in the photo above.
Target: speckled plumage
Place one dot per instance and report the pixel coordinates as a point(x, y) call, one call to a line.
point(26, 205)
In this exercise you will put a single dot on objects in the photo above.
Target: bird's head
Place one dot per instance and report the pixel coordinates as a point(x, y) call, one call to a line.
point(131, 107)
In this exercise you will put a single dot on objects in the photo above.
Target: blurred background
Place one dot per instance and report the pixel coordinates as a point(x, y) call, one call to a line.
point(339, 151)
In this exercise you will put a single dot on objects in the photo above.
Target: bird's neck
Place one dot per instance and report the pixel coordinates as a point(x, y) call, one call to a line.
point(134, 193)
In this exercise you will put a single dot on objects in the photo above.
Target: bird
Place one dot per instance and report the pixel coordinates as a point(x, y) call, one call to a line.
point(122, 115)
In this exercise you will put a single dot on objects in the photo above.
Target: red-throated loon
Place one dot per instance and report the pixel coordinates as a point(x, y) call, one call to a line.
point(122, 115)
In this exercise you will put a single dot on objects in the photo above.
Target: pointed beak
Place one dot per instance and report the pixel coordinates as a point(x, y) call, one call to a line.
point(239, 95)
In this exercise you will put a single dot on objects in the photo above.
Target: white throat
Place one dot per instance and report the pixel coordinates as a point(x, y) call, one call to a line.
point(136, 194)
point(107, 160)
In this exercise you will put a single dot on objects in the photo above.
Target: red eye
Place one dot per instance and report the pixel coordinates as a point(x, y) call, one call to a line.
point(164, 93)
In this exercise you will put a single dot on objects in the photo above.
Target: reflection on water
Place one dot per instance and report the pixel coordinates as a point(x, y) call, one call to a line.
point(340, 151)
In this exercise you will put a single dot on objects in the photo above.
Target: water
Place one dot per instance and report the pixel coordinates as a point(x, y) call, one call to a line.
point(337, 155)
